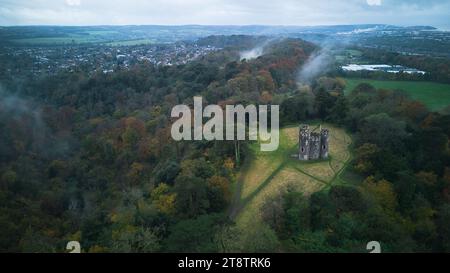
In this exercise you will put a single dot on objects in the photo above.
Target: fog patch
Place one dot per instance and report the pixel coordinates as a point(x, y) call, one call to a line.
point(317, 64)
point(252, 54)
point(22, 120)
point(15, 108)
point(255, 52)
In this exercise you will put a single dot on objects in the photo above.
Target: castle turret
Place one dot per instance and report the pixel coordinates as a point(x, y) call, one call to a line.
point(304, 143)
point(324, 136)
point(314, 146)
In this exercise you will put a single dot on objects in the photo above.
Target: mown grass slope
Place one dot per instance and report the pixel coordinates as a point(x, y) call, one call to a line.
point(266, 173)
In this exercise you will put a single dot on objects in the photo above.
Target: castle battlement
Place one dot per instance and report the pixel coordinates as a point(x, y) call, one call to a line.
point(313, 145)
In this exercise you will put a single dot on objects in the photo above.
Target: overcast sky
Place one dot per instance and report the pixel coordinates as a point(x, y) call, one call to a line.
point(225, 12)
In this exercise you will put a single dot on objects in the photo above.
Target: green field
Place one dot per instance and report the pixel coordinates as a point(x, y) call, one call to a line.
point(102, 32)
point(97, 37)
point(348, 56)
point(132, 42)
point(57, 40)
point(436, 96)
point(266, 174)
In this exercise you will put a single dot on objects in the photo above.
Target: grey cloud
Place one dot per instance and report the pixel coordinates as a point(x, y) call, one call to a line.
point(282, 12)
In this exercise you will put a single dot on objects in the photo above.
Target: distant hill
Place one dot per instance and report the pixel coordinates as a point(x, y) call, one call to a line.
point(166, 34)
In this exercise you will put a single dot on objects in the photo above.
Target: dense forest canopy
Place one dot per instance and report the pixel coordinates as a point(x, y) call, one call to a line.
point(90, 158)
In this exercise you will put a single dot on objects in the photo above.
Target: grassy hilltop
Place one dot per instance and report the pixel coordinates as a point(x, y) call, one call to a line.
point(265, 174)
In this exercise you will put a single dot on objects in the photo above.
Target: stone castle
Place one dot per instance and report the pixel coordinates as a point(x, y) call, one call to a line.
point(313, 145)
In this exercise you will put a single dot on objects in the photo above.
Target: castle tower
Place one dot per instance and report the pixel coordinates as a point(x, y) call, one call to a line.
point(314, 146)
point(304, 136)
point(324, 136)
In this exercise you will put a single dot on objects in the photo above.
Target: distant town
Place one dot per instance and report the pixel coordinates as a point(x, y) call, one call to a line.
point(96, 58)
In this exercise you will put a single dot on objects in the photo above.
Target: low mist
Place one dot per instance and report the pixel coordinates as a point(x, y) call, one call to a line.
point(317, 64)
point(13, 107)
point(23, 119)
point(320, 62)
point(252, 53)
point(255, 52)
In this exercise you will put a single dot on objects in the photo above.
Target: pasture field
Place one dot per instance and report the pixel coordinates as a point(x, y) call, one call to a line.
point(436, 96)
point(108, 37)
point(55, 40)
point(132, 42)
